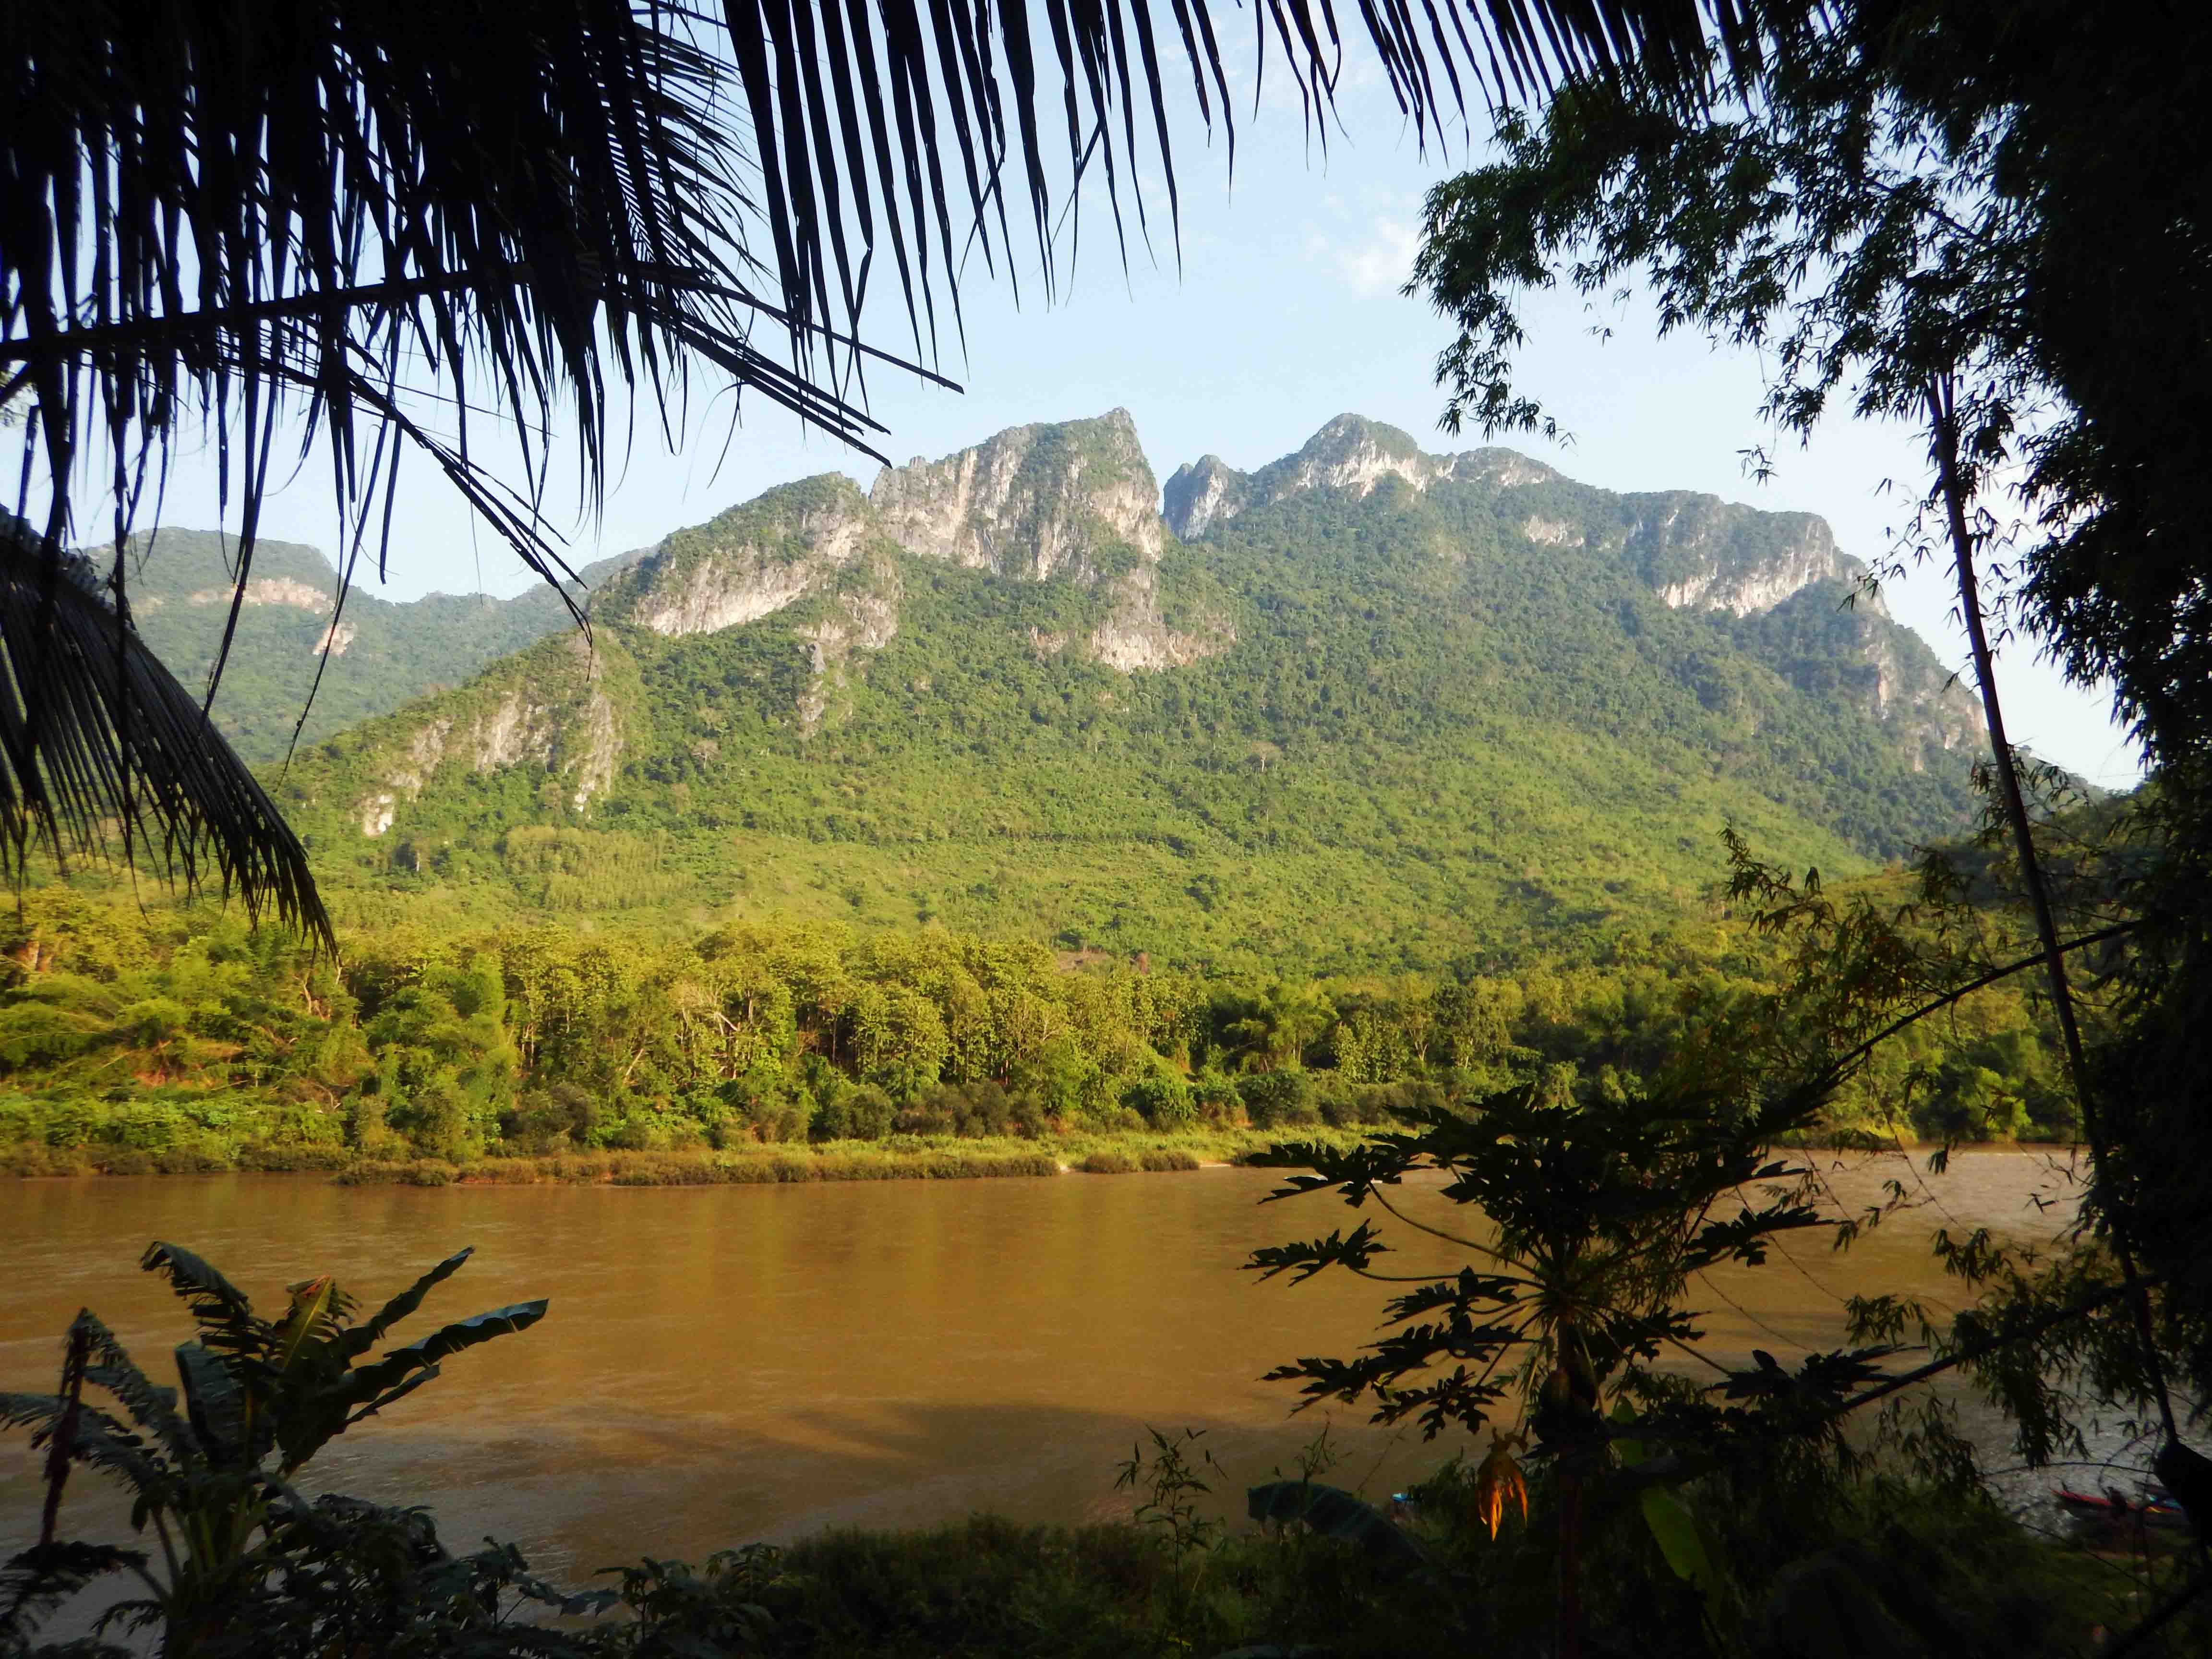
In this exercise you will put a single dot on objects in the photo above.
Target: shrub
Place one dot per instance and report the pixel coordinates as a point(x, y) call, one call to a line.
point(1278, 1100)
point(1162, 1098)
point(550, 1119)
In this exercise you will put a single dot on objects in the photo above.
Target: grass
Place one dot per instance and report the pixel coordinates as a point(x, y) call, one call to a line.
point(901, 1157)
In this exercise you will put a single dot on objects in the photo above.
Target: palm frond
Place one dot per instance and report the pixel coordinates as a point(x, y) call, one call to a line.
point(101, 748)
point(222, 1311)
point(152, 1407)
point(356, 223)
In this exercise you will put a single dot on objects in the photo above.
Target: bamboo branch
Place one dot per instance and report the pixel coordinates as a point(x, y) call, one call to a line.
point(1942, 412)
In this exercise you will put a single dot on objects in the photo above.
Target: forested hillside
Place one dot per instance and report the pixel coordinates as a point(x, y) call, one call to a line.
point(380, 654)
point(1373, 710)
point(995, 802)
point(135, 1038)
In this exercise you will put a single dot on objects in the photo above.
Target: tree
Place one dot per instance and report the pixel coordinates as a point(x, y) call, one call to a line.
point(1885, 211)
point(236, 216)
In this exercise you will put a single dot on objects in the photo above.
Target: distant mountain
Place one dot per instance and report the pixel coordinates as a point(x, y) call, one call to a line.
point(1362, 708)
point(382, 654)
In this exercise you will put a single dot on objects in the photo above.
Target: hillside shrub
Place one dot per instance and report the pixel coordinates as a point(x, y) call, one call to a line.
point(1279, 1100)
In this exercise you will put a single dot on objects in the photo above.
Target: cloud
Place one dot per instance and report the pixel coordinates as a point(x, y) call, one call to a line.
point(1380, 265)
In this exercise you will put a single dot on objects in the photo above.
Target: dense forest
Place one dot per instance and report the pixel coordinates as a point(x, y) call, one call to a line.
point(176, 1038)
point(859, 817)
point(1442, 730)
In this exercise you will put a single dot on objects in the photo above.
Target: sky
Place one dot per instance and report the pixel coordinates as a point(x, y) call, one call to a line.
point(1283, 312)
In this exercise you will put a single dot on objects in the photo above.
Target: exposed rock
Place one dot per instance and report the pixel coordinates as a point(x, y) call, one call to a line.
point(1136, 637)
point(552, 713)
point(1710, 555)
point(748, 563)
point(515, 730)
point(335, 639)
point(1351, 453)
point(1037, 501)
point(862, 622)
point(267, 590)
point(594, 758)
point(1202, 492)
point(417, 760)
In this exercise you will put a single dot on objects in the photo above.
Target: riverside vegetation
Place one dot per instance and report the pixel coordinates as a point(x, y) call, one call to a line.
point(172, 1037)
point(942, 824)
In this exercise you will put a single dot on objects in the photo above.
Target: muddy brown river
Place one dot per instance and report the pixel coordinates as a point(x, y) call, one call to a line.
point(728, 1363)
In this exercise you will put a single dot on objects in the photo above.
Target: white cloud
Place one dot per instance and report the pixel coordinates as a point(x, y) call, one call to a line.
point(1380, 265)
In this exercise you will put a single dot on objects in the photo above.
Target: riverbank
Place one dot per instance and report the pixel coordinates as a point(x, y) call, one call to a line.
point(897, 1157)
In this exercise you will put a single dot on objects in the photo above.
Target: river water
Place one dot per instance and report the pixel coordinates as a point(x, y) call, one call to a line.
point(728, 1363)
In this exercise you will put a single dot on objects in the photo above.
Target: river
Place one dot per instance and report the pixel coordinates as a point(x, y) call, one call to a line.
point(726, 1364)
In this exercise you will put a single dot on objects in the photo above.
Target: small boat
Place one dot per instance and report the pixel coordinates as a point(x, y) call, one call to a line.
point(2114, 1507)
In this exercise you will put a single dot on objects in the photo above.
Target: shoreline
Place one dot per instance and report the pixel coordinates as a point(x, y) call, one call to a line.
point(906, 1157)
point(901, 1157)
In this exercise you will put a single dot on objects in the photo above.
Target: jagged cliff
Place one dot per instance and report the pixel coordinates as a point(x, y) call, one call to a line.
point(1364, 699)
point(1694, 552)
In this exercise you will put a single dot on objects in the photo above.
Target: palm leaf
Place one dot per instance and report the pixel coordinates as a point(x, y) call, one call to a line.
point(101, 750)
point(316, 1308)
point(40, 1579)
point(97, 1438)
point(365, 1381)
point(224, 1313)
point(215, 1404)
point(363, 224)
point(152, 1407)
point(309, 1419)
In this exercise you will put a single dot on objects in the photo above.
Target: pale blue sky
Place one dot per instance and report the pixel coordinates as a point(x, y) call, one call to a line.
point(1284, 312)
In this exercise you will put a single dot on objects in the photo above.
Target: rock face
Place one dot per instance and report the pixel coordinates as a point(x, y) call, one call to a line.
point(1700, 552)
point(548, 709)
point(1352, 453)
point(1036, 502)
point(1692, 551)
point(748, 563)
point(269, 590)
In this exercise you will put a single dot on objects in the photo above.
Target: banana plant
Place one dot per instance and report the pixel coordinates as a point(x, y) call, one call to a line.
point(209, 1462)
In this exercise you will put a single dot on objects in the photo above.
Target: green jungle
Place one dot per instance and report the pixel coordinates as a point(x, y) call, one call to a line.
point(1431, 801)
point(1603, 868)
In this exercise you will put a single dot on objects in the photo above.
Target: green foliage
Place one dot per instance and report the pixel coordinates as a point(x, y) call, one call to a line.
point(180, 602)
point(171, 1038)
point(259, 1399)
point(1430, 743)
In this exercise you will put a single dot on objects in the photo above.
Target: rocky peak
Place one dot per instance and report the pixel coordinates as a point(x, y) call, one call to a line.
point(746, 563)
point(1700, 552)
point(1035, 502)
point(1200, 492)
point(1352, 453)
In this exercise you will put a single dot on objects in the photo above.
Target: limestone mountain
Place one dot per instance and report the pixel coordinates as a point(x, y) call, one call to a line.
point(381, 653)
point(1364, 707)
